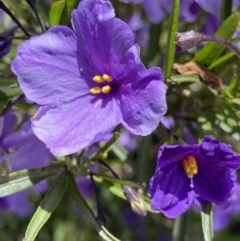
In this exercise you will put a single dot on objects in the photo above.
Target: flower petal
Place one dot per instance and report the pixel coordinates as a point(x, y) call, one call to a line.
point(102, 39)
point(72, 126)
point(212, 183)
point(46, 67)
point(170, 191)
point(143, 103)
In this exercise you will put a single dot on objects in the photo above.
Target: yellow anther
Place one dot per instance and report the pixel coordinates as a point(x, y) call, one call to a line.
point(186, 167)
point(107, 77)
point(191, 161)
point(194, 169)
point(106, 89)
point(190, 166)
point(98, 79)
point(96, 90)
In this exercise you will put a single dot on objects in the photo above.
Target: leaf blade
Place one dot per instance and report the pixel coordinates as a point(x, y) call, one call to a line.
point(171, 38)
point(46, 207)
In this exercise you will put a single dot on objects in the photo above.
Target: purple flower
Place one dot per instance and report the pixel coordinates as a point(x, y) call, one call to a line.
point(88, 82)
point(188, 174)
point(27, 151)
point(223, 213)
point(157, 10)
point(213, 6)
point(140, 29)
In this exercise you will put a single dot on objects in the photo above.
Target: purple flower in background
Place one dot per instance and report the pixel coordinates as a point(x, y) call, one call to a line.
point(140, 29)
point(213, 6)
point(89, 82)
point(188, 174)
point(157, 10)
point(27, 151)
point(223, 213)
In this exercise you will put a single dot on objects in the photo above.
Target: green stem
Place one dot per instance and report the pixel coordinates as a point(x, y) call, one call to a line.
point(143, 158)
point(180, 227)
point(153, 49)
point(226, 9)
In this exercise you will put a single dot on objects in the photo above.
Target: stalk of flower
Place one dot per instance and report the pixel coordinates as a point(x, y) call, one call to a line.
point(88, 81)
point(188, 174)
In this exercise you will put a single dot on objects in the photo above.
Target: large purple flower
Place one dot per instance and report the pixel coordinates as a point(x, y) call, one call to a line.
point(88, 81)
point(188, 174)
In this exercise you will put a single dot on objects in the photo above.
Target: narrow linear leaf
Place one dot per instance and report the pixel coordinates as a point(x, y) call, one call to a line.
point(206, 216)
point(224, 60)
point(18, 181)
point(46, 207)
point(119, 181)
point(56, 12)
point(211, 51)
point(82, 205)
point(173, 28)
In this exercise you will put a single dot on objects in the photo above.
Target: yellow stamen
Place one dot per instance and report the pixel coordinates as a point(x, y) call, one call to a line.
point(98, 79)
point(107, 77)
point(195, 169)
point(190, 166)
point(186, 167)
point(191, 161)
point(106, 89)
point(96, 90)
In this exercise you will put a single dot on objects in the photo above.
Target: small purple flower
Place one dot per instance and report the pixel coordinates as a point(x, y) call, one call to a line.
point(88, 81)
point(188, 174)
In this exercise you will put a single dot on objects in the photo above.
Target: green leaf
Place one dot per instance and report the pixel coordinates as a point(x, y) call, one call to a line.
point(66, 14)
point(9, 89)
point(18, 181)
point(206, 216)
point(46, 207)
point(82, 205)
point(211, 51)
point(224, 60)
point(119, 181)
point(56, 12)
point(173, 28)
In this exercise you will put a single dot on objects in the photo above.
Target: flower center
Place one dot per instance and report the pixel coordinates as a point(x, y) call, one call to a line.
point(190, 166)
point(104, 82)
